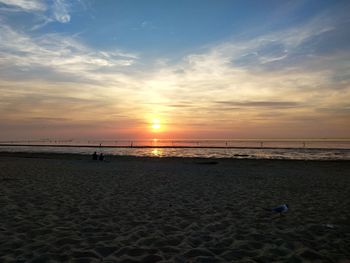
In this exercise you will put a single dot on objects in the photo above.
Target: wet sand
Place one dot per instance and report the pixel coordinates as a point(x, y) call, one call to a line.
point(59, 208)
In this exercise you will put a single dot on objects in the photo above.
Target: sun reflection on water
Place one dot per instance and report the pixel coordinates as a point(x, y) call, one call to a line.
point(157, 152)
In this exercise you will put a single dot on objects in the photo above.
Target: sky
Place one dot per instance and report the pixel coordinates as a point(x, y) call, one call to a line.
point(199, 69)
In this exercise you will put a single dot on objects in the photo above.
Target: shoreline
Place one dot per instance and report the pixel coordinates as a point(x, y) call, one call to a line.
point(83, 156)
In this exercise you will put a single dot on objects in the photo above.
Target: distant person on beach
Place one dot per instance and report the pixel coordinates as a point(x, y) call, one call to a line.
point(94, 156)
point(101, 157)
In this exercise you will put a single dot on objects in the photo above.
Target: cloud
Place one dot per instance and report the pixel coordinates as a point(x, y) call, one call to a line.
point(53, 75)
point(273, 78)
point(60, 11)
point(24, 5)
point(54, 54)
point(262, 104)
point(300, 45)
point(145, 24)
point(44, 11)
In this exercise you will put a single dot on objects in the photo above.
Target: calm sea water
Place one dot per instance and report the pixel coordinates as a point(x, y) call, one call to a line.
point(239, 149)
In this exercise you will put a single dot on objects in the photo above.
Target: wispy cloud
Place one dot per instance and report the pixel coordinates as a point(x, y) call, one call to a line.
point(60, 11)
point(24, 5)
point(55, 75)
point(262, 104)
point(56, 53)
point(45, 12)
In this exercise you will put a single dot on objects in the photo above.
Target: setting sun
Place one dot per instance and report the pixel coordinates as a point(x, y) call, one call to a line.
point(155, 124)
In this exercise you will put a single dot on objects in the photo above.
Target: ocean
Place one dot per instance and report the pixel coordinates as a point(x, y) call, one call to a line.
point(238, 149)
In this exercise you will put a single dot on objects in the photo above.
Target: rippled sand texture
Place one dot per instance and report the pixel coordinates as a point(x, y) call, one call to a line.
point(57, 208)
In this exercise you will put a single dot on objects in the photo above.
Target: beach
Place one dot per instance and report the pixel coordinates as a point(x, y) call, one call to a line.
point(69, 208)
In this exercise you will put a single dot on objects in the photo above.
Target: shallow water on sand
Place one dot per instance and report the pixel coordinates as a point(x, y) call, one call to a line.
point(237, 153)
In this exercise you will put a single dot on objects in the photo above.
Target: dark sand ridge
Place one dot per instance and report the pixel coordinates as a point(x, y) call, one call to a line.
point(70, 208)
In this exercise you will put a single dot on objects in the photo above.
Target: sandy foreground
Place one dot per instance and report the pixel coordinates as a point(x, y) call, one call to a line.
point(68, 208)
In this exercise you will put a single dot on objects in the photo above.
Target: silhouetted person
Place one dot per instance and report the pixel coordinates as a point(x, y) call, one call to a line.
point(94, 156)
point(101, 157)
